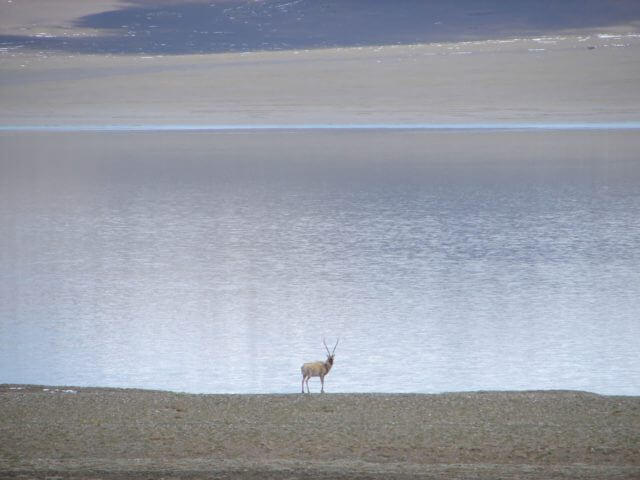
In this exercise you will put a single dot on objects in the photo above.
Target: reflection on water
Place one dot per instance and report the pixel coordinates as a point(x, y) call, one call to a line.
point(218, 262)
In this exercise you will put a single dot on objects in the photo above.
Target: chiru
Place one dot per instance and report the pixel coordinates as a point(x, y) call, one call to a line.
point(318, 369)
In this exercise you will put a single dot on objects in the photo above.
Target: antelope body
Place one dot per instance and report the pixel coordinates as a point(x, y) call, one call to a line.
point(318, 369)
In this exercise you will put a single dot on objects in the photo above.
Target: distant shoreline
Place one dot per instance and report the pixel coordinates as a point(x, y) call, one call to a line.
point(324, 126)
point(118, 433)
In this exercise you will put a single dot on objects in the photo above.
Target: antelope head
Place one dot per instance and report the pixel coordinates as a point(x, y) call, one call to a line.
point(332, 353)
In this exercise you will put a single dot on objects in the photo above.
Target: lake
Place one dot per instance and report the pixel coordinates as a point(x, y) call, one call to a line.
point(219, 261)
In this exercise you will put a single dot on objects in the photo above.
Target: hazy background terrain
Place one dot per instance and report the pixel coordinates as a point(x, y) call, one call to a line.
point(70, 61)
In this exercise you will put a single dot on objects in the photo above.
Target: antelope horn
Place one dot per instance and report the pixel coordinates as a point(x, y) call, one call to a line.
point(325, 346)
point(334, 348)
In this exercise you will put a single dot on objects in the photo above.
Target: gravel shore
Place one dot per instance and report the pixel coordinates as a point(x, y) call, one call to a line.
point(68, 432)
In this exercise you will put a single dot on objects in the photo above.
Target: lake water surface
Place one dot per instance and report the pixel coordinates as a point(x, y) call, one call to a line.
point(218, 261)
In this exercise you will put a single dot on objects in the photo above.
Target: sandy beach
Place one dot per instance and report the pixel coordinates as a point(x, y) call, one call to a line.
point(294, 62)
point(69, 432)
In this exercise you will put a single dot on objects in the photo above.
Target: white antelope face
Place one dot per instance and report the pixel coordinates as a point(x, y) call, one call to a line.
point(318, 369)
